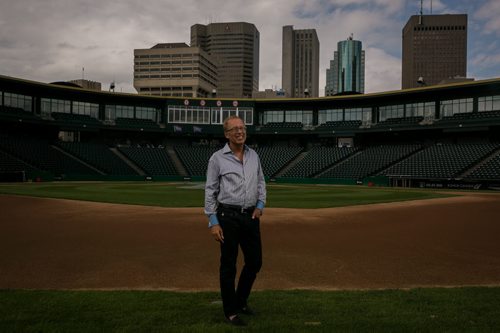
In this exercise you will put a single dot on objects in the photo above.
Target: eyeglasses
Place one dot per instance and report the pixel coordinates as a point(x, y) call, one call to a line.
point(237, 129)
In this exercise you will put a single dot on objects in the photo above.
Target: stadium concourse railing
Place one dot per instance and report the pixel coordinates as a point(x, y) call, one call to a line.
point(368, 181)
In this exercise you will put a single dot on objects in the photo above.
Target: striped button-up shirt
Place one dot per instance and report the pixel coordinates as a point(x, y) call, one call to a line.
point(232, 182)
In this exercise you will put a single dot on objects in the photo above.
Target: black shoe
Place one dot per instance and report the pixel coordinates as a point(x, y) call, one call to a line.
point(236, 321)
point(246, 310)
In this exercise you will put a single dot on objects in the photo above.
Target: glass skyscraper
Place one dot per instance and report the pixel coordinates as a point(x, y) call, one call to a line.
point(347, 69)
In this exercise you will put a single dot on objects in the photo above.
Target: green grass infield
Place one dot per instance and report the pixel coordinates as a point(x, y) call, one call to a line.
point(473, 309)
point(192, 194)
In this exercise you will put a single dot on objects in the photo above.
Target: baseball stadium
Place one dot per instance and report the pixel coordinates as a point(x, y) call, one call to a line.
point(382, 210)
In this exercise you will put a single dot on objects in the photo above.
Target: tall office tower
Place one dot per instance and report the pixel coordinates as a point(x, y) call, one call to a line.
point(300, 66)
point(434, 49)
point(235, 48)
point(174, 69)
point(347, 69)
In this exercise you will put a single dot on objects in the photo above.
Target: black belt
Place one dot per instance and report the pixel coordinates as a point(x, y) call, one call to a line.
point(236, 208)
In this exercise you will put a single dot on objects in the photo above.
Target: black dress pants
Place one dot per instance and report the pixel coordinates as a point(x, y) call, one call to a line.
point(240, 230)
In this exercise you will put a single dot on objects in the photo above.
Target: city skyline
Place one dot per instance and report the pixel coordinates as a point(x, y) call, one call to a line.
point(54, 41)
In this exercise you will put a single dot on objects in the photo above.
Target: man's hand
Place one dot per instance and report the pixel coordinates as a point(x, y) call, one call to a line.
point(216, 231)
point(257, 213)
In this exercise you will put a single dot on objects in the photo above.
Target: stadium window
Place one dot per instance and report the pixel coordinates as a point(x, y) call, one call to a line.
point(55, 105)
point(488, 103)
point(18, 101)
point(330, 115)
point(146, 113)
point(307, 117)
point(246, 114)
point(188, 114)
point(449, 108)
point(420, 109)
point(275, 116)
point(205, 115)
point(355, 113)
point(110, 112)
point(391, 111)
point(414, 110)
point(215, 116)
point(170, 115)
point(226, 112)
point(84, 108)
point(299, 116)
point(119, 111)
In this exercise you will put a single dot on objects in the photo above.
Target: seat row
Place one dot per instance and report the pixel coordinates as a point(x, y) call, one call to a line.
point(435, 161)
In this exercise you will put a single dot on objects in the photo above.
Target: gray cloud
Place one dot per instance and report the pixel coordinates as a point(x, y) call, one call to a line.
point(50, 40)
point(490, 13)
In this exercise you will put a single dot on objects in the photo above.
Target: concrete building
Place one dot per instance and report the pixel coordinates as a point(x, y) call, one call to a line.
point(174, 69)
point(347, 69)
point(87, 84)
point(269, 94)
point(300, 62)
point(234, 47)
point(456, 79)
point(434, 49)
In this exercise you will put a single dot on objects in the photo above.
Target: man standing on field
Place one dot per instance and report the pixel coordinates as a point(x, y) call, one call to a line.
point(235, 194)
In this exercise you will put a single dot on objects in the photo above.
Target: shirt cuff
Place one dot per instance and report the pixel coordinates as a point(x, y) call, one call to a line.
point(212, 220)
point(260, 205)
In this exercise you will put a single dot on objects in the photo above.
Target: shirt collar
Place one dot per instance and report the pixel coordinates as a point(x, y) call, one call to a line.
point(227, 150)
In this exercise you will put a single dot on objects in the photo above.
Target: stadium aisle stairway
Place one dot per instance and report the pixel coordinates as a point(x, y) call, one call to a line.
point(317, 159)
point(273, 159)
point(99, 156)
point(8, 163)
point(42, 155)
point(441, 161)
point(489, 170)
point(154, 161)
point(195, 159)
point(369, 161)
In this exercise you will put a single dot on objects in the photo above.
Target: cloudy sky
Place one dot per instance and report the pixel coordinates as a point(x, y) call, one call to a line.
point(52, 40)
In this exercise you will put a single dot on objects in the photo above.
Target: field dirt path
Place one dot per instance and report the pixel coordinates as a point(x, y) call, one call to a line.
point(65, 244)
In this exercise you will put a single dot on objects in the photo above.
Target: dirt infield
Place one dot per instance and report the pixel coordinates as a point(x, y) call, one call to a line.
point(64, 244)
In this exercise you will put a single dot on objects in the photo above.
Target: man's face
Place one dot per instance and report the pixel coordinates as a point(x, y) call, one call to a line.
point(236, 132)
